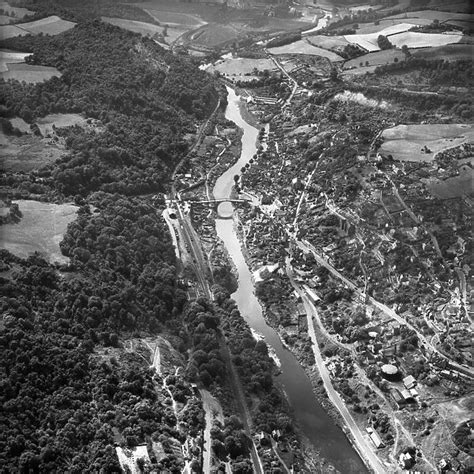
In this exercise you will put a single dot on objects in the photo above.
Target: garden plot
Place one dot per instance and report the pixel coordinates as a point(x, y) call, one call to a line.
point(41, 229)
point(422, 142)
point(305, 47)
point(144, 29)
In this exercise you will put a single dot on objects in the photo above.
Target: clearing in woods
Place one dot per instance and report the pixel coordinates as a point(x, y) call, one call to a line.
point(10, 57)
point(29, 73)
point(41, 229)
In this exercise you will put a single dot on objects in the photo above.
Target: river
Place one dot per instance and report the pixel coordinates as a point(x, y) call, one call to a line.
point(309, 414)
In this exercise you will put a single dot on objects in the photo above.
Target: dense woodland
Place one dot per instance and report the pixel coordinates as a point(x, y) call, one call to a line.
point(145, 98)
point(63, 404)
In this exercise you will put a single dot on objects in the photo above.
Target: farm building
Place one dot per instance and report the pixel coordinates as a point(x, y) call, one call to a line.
point(375, 438)
point(409, 382)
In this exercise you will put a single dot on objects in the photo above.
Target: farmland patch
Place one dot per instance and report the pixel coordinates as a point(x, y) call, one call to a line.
point(457, 186)
point(328, 42)
point(424, 40)
point(18, 12)
point(48, 123)
point(7, 57)
point(433, 15)
point(422, 142)
point(305, 47)
point(145, 29)
point(27, 152)
point(41, 229)
point(242, 66)
point(377, 58)
point(29, 73)
point(52, 25)
point(450, 52)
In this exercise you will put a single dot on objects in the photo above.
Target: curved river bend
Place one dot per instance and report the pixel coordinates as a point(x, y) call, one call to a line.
point(310, 416)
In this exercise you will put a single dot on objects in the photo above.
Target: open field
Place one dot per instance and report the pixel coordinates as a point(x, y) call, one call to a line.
point(328, 42)
point(242, 66)
point(213, 35)
point(17, 11)
point(27, 152)
point(29, 73)
point(377, 58)
point(405, 142)
point(5, 20)
point(450, 52)
point(175, 18)
point(47, 123)
point(11, 31)
point(304, 47)
point(433, 15)
point(40, 230)
point(145, 29)
point(368, 41)
point(367, 28)
point(424, 40)
point(457, 186)
point(52, 25)
point(9, 57)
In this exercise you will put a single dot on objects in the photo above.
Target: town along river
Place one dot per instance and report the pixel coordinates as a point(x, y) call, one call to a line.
point(310, 416)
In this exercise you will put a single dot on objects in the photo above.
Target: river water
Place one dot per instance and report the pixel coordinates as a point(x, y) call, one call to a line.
point(310, 416)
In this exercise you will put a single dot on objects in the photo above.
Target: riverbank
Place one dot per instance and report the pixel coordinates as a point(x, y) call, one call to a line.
point(308, 414)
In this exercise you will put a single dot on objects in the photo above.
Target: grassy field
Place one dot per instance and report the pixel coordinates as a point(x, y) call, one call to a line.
point(17, 11)
point(405, 142)
point(41, 229)
point(376, 58)
point(456, 186)
point(367, 28)
point(450, 52)
point(242, 66)
point(29, 73)
point(175, 18)
point(433, 15)
point(368, 41)
point(27, 152)
point(145, 29)
point(46, 124)
point(328, 42)
point(9, 57)
point(52, 25)
point(304, 47)
point(424, 40)
point(213, 35)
